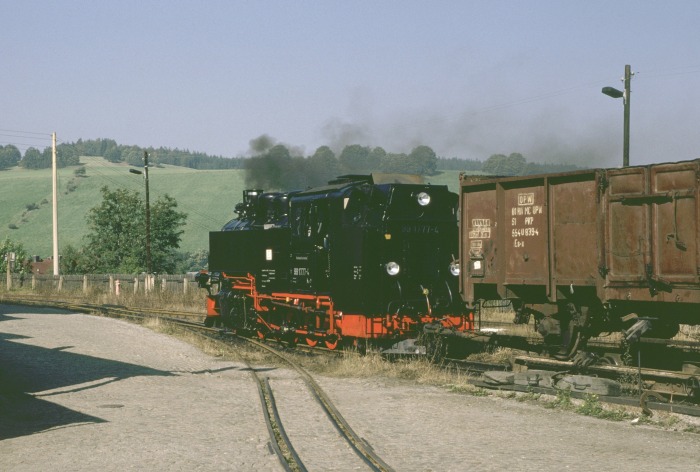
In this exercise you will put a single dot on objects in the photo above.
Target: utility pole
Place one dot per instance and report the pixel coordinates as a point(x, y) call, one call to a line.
point(149, 266)
point(625, 95)
point(54, 177)
point(626, 98)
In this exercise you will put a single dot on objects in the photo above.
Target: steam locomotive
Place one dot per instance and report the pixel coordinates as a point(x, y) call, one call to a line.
point(364, 258)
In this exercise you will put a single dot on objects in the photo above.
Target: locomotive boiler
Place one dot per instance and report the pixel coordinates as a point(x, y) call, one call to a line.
point(363, 258)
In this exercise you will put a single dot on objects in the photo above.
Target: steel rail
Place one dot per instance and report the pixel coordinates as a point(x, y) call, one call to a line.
point(358, 444)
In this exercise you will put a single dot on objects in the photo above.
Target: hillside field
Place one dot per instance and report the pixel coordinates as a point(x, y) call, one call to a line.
point(207, 196)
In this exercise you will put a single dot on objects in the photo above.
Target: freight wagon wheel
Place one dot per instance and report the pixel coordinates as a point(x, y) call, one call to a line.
point(311, 342)
point(331, 342)
point(261, 334)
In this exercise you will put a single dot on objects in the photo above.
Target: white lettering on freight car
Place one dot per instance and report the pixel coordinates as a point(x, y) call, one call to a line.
point(527, 227)
point(481, 222)
point(526, 199)
point(480, 230)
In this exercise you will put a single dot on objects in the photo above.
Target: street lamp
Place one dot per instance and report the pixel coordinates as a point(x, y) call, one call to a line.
point(625, 95)
point(149, 267)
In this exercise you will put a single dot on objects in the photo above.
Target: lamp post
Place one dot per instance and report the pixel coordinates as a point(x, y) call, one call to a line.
point(625, 95)
point(149, 267)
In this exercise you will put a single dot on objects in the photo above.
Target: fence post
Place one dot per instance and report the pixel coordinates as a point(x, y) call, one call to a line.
point(185, 283)
point(33, 282)
point(85, 283)
point(111, 284)
point(60, 283)
point(136, 285)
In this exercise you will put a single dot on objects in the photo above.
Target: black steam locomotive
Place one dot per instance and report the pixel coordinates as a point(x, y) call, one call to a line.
point(363, 258)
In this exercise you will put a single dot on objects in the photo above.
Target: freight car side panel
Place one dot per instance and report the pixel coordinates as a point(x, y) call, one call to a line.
point(478, 227)
point(525, 236)
point(676, 222)
point(574, 216)
point(652, 233)
point(627, 226)
point(526, 233)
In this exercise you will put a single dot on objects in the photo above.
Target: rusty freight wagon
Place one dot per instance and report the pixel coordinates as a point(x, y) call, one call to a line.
point(586, 252)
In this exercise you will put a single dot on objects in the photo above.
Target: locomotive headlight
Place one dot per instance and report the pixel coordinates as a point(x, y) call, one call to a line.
point(454, 268)
point(392, 268)
point(423, 199)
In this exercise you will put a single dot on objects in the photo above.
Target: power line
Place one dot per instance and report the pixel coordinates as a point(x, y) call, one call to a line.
point(686, 70)
point(23, 145)
point(48, 135)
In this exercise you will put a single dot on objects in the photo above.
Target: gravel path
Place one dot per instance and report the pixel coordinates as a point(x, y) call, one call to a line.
point(84, 393)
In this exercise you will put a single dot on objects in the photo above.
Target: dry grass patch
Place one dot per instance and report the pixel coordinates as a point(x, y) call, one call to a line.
point(351, 364)
point(500, 355)
point(192, 301)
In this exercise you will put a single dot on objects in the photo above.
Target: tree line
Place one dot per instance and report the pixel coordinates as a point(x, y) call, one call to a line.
point(277, 169)
point(500, 164)
point(279, 166)
point(68, 154)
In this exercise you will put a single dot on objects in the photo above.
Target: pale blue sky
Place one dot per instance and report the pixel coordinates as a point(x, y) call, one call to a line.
point(468, 78)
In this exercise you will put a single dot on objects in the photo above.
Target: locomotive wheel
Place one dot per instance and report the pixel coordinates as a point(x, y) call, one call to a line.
point(311, 342)
point(331, 342)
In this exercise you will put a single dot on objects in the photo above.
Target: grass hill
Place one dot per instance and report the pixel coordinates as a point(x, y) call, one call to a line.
point(207, 196)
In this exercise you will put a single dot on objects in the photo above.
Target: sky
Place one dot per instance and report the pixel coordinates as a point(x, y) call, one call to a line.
point(468, 78)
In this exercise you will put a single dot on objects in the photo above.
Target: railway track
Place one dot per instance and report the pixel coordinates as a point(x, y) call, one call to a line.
point(358, 445)
point(282, 445)
point(650, 389)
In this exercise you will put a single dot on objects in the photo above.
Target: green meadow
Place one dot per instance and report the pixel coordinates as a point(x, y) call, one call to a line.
point(207, 196)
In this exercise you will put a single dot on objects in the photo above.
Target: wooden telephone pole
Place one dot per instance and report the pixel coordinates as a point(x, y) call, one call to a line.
point(54, 177)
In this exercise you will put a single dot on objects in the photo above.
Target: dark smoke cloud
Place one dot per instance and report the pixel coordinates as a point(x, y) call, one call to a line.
point(555, 136)
point(337, 134)
point(284, 167)
point(261, 144)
